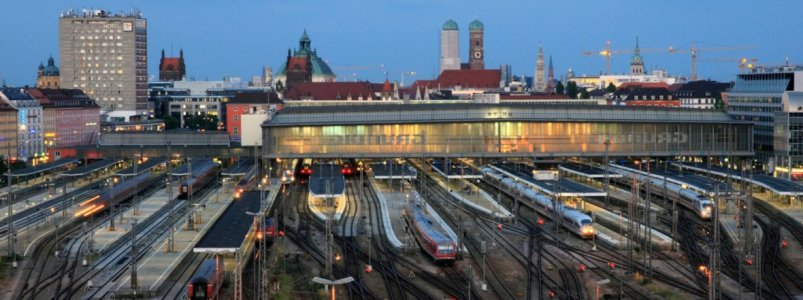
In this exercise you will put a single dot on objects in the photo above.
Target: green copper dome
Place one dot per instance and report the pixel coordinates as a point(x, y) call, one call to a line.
point(450, 25)
point(476, 25)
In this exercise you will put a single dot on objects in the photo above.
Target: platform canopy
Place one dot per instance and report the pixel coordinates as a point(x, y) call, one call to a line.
point(142, 167)
point(230, 229)
point(92, 167)
point(43, 167)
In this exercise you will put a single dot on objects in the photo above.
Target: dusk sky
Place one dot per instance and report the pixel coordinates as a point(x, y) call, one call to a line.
point(238, 37)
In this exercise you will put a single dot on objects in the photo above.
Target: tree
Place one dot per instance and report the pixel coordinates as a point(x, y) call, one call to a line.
point(584, 94)
point(171, 122)
point(611, 88)
point(205, 122)
point(559, 88)
point(571, 89)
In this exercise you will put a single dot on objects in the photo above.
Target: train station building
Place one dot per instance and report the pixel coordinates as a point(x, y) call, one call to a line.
point(502, 130)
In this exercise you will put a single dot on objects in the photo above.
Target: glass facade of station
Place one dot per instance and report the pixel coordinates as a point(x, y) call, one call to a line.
point(509, 139)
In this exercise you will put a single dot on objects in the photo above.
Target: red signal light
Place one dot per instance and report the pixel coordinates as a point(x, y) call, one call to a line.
point(612, 265)
point(499, 226)
point(551, 294)
point(748, 261)
point(784, 243)
point(581, 268)
point(540, 221)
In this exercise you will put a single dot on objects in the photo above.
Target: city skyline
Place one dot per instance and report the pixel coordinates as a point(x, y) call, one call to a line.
point(238, 39)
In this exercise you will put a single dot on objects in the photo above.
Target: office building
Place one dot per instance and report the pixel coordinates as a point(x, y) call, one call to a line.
point(772, 98)
point(106, 56)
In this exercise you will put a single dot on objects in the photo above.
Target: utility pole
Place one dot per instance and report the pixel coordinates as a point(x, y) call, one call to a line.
point(648, 227)
point(605, 168)
point(191, 219)
point(713, 287)
point(171, 240)
point(134, 255)
point(631, 206)
point(329, 222)
point(136, 204)
point(10, 202)
point(111, 205)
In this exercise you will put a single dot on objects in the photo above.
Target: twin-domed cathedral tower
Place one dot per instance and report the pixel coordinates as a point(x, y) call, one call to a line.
point(450, 46)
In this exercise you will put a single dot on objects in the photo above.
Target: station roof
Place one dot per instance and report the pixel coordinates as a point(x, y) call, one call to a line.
point(230, 229)
point(143, 167)
point(778, 186)
point(323, 175)
point(696, 182)
point(455, 170)
point(43, 167)
point(92, 167)
point(566, 187)
point(392, 171)
point(239, 169)
point(482, 112)
point(588, 171)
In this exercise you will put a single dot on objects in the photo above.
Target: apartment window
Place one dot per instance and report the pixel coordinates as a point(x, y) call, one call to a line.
point(236, 118)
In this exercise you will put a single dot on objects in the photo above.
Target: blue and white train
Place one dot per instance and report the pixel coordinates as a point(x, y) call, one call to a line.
point(700, 204)
point(573, 220)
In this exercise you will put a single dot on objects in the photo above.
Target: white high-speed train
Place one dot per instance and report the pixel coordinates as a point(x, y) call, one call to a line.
point(700, 204)
point(574, 220)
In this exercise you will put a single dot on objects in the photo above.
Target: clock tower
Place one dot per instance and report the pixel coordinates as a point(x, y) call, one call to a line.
point(476, 50)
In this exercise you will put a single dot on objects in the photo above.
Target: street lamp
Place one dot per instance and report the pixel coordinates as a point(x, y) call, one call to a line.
point(333, 283)
point(411, 73)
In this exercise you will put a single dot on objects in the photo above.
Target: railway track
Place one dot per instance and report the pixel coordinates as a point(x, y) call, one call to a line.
point(777, 273)
point(178, 289)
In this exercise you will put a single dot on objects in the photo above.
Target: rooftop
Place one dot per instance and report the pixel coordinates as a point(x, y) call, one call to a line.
point(481, 112)
point(256, 97)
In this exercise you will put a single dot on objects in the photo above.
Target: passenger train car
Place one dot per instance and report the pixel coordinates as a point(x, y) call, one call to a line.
point(121, 192)
point(574, 220)
point(202, 173)
point(207, 280)
point(698, 203)
point(430, 236)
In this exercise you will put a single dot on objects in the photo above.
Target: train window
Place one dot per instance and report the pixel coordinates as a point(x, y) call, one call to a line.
point(585, 222)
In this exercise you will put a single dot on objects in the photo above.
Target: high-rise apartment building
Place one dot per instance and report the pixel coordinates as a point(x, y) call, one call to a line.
point(450, 46)
point(106, 56)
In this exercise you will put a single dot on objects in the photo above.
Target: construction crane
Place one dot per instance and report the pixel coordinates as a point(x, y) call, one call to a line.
point(607, 52)
point(693, 50)
point(744, 63)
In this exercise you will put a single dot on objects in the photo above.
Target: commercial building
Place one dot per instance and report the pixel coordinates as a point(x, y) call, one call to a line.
point(450, 46)
point(502, 130)
point(772, 98)
point(249, 103)
point(71, 118)
point(106, 56)
point(29, 122)
point(602, 81)
point(47, 77)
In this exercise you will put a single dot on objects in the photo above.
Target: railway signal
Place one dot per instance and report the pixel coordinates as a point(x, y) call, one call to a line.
point(784, 243)
point(540, 221)
point(612, 265)
point(581, 268)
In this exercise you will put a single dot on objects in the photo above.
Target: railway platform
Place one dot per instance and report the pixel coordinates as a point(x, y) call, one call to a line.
point(614, 221)
point(730, 228)
point(103, 237)
point(391, 204)
point(474, 197)
point(153, 270)
point(32, 203)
